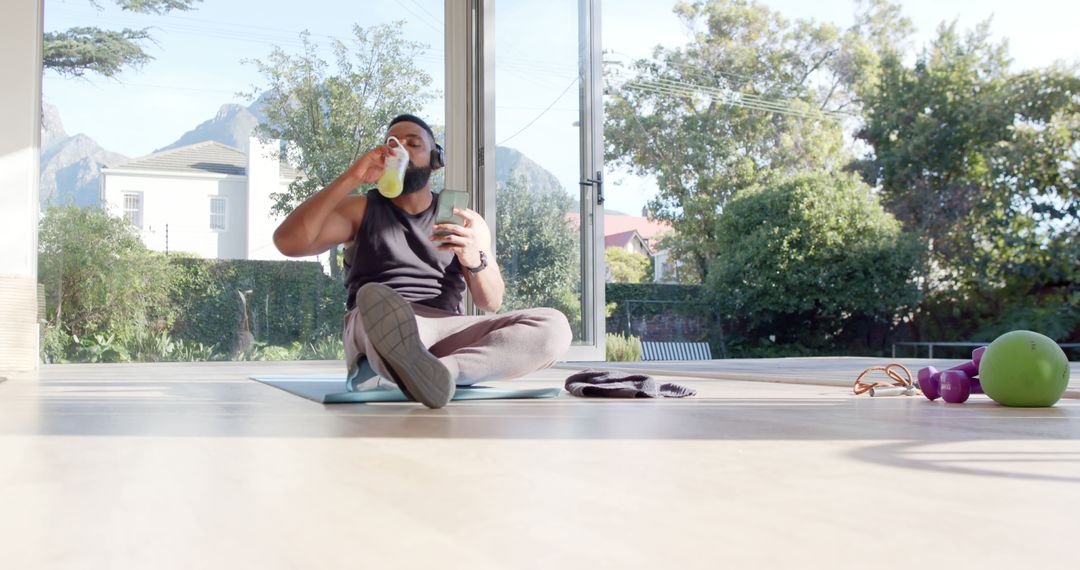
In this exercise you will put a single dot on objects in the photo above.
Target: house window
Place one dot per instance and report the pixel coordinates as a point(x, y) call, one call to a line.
point(219, 210)
point(133, 208)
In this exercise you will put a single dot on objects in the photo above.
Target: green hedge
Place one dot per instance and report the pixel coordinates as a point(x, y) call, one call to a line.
point(620, 292)
point(647, 299)
point(727, 337)
point(631, 302)
point(289, 301)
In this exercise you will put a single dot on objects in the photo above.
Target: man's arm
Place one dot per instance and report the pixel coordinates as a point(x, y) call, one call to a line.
point(487, 286)
point(330, 216)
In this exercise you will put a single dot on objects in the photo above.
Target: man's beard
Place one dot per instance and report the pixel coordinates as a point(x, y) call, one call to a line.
point(416, 177)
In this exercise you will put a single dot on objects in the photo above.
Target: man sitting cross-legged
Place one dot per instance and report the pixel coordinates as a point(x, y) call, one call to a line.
point(406, 286)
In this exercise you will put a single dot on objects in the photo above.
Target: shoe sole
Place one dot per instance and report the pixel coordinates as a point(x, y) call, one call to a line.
point(390, 325)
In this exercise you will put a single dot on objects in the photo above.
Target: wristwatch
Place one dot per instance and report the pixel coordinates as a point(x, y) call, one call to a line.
point(479, 268)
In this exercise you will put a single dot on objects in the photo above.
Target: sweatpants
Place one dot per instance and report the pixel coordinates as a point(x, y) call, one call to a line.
point(475, 348)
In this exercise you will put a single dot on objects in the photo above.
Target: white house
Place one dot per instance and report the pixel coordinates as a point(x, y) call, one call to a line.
point(641, 235)
point(637, 234)
point(665, 269)
point(207, 199)
point(629, 240)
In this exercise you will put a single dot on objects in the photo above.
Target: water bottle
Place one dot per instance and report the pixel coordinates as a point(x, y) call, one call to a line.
point(391, 183)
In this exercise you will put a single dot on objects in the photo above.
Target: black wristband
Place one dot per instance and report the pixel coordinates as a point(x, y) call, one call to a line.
point(479, 268)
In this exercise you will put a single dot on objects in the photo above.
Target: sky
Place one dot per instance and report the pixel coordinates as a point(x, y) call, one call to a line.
point(198, 61)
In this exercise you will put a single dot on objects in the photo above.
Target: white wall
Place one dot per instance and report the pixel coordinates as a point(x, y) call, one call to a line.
point(177, 208)
point(665, 270)
point(181, 201)
point(20, 147)
point(264, 179)
point(660, 267)
point(635, 245)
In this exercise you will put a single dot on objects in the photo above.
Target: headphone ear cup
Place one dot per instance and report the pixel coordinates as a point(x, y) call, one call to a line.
point(437, 159)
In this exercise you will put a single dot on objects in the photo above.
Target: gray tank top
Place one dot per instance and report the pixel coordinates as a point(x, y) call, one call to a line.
point(392, 247)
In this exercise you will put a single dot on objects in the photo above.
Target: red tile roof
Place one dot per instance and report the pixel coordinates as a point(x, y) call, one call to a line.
point(617, 224)
point(619, 239)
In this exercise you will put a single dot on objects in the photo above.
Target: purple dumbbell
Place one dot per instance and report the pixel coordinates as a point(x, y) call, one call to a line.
point(930, 377)
point(956, 386)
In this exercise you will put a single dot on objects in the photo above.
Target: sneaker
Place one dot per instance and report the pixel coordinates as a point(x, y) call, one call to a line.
point(390, 325)
point(360, 374)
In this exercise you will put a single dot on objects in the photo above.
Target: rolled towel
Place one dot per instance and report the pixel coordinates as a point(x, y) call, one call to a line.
point(603, 384)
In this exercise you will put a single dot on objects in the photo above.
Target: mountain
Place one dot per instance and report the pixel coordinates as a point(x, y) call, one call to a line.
point(52, 129)
point(232, 126)
point(234, 123)
point(70, 165)
point(510, 162)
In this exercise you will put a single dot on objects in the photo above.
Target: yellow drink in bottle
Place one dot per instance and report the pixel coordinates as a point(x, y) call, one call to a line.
point(392, 180)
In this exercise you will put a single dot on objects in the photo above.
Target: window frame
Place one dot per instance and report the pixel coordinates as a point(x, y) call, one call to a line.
point(224, 214)
point(141, 210)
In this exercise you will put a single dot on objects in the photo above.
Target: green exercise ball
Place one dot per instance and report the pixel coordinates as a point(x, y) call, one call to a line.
point(1024, 369)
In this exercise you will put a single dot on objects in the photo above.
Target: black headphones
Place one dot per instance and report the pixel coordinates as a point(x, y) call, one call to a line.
point(438, 160)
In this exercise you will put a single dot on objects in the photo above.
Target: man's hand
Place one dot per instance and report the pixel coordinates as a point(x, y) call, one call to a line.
point(368, 168)
point(465, 241)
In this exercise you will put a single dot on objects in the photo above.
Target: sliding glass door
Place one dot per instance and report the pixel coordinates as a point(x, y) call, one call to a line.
point(548, 159)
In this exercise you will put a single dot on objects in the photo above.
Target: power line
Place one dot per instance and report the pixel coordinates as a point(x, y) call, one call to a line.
point(711, 75)
point(542, 113)
point(687, 94)
point(743, 77)
point(421, 18)
point(168, 87)
point(730, 98)
point(229, 30)
point(530, 67)
point(290, 38)
point(518, 108)
point(648, 137)
point(575, 79)
point(531, 78)
point(121, 19)
point(735, 96)
point(435, 18)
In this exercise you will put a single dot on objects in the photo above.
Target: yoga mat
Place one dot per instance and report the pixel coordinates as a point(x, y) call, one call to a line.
point(330, 389)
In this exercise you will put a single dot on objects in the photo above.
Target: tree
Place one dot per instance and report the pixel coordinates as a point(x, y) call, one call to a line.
point(752, 96)
point(813, 260)
point(627, 266)
point(98, 276)
point(86, 49)
point(328, 118)
point(537, 249)
point(930, 128)
point(978, 159)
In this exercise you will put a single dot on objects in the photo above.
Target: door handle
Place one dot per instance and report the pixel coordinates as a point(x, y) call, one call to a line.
point(597, 183)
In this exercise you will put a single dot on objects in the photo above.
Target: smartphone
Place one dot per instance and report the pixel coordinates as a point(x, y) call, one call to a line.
point(448, 200)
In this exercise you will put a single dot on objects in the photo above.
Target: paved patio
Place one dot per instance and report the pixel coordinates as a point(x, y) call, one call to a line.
point(195, 466)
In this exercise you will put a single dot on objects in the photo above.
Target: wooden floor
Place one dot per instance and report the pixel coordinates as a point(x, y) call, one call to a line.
point(155, 466)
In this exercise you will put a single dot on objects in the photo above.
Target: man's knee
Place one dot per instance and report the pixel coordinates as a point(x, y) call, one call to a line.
point(557, 336)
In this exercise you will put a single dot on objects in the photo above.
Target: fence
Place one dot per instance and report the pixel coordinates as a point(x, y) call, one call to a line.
point(931, 344)
point(669, 321)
